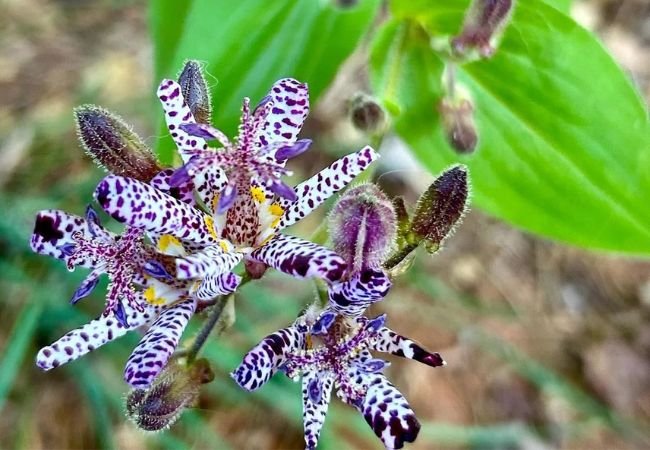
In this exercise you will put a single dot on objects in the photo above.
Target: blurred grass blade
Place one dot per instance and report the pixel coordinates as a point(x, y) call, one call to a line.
point(18, 346)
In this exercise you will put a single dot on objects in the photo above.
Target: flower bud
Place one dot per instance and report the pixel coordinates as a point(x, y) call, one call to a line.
point(458, 124)
point(113, 145)
point(175, 389)
point(363, 227)
point(196, 92)
point(346, 4)
point(483, 24)
point(366, 114)
point(440, 208)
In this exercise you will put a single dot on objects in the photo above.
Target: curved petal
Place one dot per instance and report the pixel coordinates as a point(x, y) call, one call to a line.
point(184, 193)
point(158, 344)
point(265, 358)
point(388, 413)
point(53, 234)
point(390, 342)
point(314, 191)
point(352, 297)
point(92, 335)
point(211, 261)
point(290, 106)
point(144, 207)
point(316, 393)
point(300, 258)
point(214, 285)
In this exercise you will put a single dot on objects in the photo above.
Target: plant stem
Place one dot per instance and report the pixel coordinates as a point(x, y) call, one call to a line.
point(398, 257)
point(208, 326)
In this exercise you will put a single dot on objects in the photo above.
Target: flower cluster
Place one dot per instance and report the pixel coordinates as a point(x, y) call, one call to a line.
point(187, 229)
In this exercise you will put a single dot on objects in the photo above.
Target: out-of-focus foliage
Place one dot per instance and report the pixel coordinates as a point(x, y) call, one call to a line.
point(564, 138)
point(249, 44)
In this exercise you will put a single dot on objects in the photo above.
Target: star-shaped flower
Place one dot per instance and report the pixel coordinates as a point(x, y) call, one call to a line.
point(330, 351)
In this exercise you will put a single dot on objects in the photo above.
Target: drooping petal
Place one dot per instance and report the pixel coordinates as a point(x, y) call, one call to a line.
point(144, 207)
point(92, 335)
point(352, 297)
point(316, 393)
point(54, 232)
point(290, 108)
point(184, 192)
point(388, 413)
point(300, 258)
point(265, 358)
point(390, 342)
point(313, 192)
point(159, 342)
point(176, 113)
point(211, 261)
point(214, 285)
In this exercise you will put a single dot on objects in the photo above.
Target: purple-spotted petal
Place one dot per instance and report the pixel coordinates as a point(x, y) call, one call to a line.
point(352, 297)
point(290, 108)
point(183, 192)
point(390, 342)
point(388, 413)
point(181, 176)
point(211, 261)
point(176, 114)
point(323, 323)
point(373, 365)
point(291, 151)
point(54, 231)
point(265, 358)
point(320, 187)
point(92, 335)
point(144, 207)
point(214, 285)
point(300, 258)
point(156, 347)
point(377, 323)
point(92, 220)
point(316, 392)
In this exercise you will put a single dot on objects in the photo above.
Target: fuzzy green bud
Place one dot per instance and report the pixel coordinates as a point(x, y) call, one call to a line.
point(196, 92)
point(175, 389)
point(366, 114)
point(440, 208)
point(113, 145)
point(363, 227)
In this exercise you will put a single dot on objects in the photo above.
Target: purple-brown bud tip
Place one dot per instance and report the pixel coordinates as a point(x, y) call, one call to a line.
point(483, 24)
point(345, 4)
point(176, 388)
point(366, 114)
point(113, 145)
point(363, 227)
point(440, 208)
point(196, 91)
point(458, 124)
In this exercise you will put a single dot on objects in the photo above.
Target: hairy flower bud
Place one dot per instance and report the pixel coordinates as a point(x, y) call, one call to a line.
point(440, 208)
point(175, 389)
point(195, 91)
point(363, 227)
point(113, 145)
point(366, 114)
point(483, 24)
point(458, 124)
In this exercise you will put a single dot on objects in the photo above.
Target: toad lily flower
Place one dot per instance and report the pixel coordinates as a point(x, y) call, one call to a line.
point(332, 351)
point(213, 243)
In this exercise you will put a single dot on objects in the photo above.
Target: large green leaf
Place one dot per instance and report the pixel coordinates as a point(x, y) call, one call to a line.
point(564, 137)
point(248, 44)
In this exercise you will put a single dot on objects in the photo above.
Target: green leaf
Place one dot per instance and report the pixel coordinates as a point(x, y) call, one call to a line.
point(564, 137)
point(248, 44)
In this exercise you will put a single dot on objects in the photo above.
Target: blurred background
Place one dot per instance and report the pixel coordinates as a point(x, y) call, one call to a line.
point(548, 347)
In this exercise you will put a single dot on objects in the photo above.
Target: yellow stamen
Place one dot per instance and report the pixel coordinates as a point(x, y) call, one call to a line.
point(215, 201)
point(209, 223)
point(258, 194)
point(224, 246)
point(276, 209)
point(166, 240)
point(151, 298)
